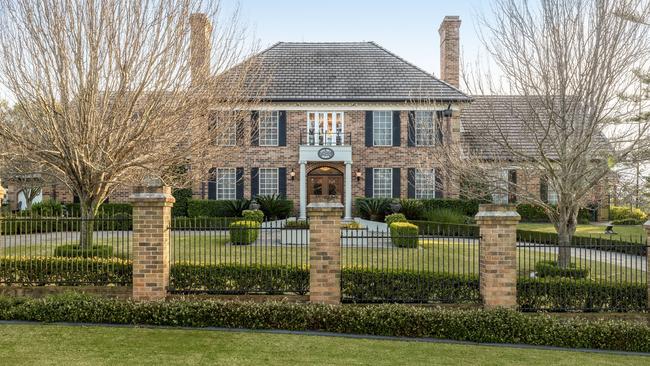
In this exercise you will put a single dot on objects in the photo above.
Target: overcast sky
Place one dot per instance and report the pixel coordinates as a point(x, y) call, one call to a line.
point(408, 28)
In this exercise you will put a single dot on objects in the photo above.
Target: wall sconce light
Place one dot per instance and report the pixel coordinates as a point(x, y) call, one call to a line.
point(292, 174)
point(358, 175)
point(447, 113)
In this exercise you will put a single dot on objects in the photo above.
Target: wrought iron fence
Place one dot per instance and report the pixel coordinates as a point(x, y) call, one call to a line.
point(65, 251)
point(595, 275)
point(222, 256)
point(438, 263)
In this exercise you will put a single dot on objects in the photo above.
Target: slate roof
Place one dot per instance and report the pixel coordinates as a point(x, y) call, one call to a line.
point(357, 71)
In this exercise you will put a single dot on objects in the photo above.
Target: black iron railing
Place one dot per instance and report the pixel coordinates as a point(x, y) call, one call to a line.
point(314, 137)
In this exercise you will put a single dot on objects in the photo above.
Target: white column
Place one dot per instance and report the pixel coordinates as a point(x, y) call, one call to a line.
point(348, 191)
point(303, 190)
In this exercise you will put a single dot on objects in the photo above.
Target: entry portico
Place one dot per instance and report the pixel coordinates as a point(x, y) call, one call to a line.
point(325, 142)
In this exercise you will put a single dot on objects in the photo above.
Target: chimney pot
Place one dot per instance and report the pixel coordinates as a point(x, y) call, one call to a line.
point(450, 50)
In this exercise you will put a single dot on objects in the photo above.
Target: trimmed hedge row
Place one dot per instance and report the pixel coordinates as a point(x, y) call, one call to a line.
point(444, 229)
point(618, 246)
point(20, 225)
point(491, 326)
point(41, 271)
point(207, 208)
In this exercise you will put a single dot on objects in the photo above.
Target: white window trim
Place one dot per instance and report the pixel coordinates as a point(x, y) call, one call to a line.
point(501, 195)
point(219, 182)
point(277, 128)
point(418, 191)
point(374, 130)
point(374, 182)
point(315, 121)
point(433, 128)
point(277, 181)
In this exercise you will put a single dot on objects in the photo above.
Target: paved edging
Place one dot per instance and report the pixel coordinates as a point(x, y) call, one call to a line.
point(337, 335)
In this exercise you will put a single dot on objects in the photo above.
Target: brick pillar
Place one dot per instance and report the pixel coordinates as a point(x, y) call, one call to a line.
point(325, 252)
point(151, 220)
point(498, 255)
point(646, 226)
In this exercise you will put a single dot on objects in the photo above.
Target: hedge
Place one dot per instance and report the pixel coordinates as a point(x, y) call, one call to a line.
point(106, 209)
point(551, 269)
point(72, 251)
point(358, 284)
point(535, 213)
point(611, 245)
point(203, 223)
point(207, 208)
point(626, 212)
point(182, 196)
point(24, 225)
point(475, 325)
point(444, 229)
point(467, 207)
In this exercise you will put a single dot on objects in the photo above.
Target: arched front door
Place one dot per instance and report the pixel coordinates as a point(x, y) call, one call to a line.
point(323, 183)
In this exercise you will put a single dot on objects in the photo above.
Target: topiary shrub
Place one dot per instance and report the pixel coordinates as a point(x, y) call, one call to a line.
point(244, 232)
point(404, 235)
point(76, 251)
point(274, 206)
point(253, 215)
point(551, 269)
point(397, 217)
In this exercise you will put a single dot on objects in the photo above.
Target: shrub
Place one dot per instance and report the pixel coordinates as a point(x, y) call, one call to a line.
point(105, 210)
point(203, 223)
point(120, 221)
point(236, 208)
point(445, 229)
point(253, 215)
point(411, 208)
point(445, 215)
point(628, 222)
point(76, 251)
point(532, 213)
point(41, 271)
point(373, 208)
point(551, 269)
point(297, 224)
point(397, 217)
point(274, 206)
point(207, 208)
point(473, 325)
point(182, 195)
point(612, 245)
point(353, 225)
point(626, 212)
point(465, 207)
point(244, 232)
point(404, 235)
point(47, 208)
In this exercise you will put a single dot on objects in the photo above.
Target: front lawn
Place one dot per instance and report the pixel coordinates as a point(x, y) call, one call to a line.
point(633, 233)
point(95, 345)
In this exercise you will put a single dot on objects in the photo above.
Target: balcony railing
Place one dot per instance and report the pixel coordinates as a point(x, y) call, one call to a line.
point(313, 137)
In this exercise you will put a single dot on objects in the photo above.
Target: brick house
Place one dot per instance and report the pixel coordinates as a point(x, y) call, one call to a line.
point(345, 120)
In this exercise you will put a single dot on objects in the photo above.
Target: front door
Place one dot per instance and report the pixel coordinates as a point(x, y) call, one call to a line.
point(324, 183)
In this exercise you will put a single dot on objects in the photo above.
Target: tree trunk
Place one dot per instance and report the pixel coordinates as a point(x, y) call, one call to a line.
point(566, 227)
point(87, 224)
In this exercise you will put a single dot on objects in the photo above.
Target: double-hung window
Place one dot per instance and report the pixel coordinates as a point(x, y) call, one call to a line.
point(424, 128)
point(382, 128)
point(501, 184)
point(226, 183)
point(268, 128)
point(425, 183)
point(382, 183)
point(268, 180)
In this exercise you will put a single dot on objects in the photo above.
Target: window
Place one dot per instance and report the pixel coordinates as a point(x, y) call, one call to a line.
point(382, 128)
point(424, 128)
point(228, 135)
point(500, 194)
point(226, 181)
point(382, 183)
point(268, 132)
point(425, 183)
point(268, 181)
point(552, 197)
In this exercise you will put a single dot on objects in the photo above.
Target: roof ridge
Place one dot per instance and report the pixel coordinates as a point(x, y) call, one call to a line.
point(418, 68)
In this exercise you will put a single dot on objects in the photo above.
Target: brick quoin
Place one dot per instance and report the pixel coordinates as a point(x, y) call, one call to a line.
point(498, 255)
point(325, 252)
point(151, 229)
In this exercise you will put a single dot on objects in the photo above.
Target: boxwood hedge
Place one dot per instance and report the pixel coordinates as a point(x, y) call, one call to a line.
point(475, 325)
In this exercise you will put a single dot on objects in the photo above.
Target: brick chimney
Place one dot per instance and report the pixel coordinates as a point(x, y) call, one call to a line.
point(450, 50)
point(200, 46)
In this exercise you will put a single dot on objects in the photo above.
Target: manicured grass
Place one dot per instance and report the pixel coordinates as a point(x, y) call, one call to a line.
point(94, 345)
point(633, 233)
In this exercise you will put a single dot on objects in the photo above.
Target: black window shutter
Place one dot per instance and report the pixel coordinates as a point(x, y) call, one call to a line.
point(212, 184)
point(411, 129)
point(282, 182)
point(543, 189)
point(240, 183)
point(397, 123)
point(512, 186)
point(255, 128)
point(368, 129)
point(282, 128)
point(411, 182)
point(439, 136)
point(439, 183)
point(255, 182)
point(368, 182)
point(239, 139)
point(397, 179)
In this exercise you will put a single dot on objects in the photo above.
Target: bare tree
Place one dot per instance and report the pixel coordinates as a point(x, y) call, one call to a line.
point(555, 112)
point(114, 93)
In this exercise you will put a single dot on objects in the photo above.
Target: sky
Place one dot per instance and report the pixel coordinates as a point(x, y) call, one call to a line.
point(409, 28)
